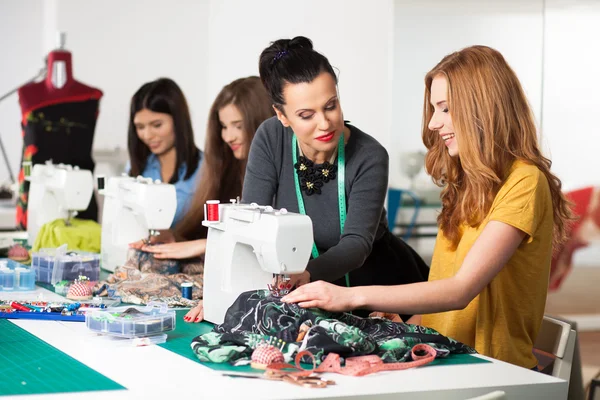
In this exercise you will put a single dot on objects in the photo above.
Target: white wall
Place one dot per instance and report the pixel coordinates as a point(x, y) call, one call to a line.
point(572, 90)
point(572, 98)
point(352, 34)
point(119, 45)
point(427, 30)
point(21, 27)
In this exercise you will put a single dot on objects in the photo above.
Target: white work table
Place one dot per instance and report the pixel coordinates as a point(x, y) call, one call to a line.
point(155, 373)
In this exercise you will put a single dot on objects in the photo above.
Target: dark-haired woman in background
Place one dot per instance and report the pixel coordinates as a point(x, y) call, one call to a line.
point(308, 159)
point(234, 117)
point(161, 140)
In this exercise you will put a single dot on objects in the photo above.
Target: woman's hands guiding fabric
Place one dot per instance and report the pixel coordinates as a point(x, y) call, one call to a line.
point(322, 295)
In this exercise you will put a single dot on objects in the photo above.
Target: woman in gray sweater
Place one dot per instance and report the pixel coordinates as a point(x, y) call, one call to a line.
point(308, 159)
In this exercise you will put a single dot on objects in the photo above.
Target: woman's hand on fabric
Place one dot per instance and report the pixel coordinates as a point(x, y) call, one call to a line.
point(196, 314)
point(165, 236)
point(177, 250)
point(298, 280)
point(323, 295)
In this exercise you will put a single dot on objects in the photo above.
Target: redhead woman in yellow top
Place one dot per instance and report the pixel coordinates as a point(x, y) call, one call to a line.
point(502, 211)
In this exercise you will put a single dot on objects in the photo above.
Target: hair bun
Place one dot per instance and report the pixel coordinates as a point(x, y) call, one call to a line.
point(290, 60)
point(300, 42)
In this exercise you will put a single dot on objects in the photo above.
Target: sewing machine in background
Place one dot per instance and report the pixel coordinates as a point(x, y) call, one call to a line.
point(247, 247)
point(55, 191)
point(134, 209)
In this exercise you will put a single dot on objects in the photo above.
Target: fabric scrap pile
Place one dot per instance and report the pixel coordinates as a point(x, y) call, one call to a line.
point(144, 278)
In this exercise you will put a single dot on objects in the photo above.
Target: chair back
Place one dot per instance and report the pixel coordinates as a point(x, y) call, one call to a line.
point(394, 203)
point(557, 338)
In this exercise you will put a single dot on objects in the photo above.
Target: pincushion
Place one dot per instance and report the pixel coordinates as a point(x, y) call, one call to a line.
point(18, 253)
point(80, 290)
point(266, 355)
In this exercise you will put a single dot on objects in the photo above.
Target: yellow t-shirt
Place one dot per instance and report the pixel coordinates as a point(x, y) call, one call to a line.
point(504, 319)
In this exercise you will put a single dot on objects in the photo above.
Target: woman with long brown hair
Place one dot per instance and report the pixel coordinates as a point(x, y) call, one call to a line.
point(234, 117)
point(502, 212)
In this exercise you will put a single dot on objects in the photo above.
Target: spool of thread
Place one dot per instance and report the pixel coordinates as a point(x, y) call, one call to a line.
point(211, 210)
point(186, 290)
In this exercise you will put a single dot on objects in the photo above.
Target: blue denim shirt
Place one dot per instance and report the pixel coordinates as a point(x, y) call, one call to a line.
point(185, 188)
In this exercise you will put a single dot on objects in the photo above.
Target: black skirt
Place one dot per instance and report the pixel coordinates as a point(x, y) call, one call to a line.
point(391, 262)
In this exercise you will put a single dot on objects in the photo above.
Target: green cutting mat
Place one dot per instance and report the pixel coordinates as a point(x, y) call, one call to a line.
point(179, 341)
point(28, 365)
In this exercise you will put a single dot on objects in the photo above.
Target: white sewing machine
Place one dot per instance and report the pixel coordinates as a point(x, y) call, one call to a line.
point(55, 191)
point(134, 209)
point(246, 248)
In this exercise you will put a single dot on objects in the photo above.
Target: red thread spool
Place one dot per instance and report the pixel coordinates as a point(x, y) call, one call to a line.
point(212, 210)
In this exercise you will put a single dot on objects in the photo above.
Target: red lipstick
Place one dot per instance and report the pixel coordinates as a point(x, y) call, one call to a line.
point(327, 137)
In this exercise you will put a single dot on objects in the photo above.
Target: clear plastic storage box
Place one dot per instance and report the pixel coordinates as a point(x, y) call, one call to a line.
point(16, 277)
point(55, 265)
point(132, 321)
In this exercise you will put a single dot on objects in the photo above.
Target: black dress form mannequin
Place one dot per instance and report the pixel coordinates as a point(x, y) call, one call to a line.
point(58, 120)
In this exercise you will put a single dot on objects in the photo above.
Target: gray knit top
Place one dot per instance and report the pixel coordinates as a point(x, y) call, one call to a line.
point(269, 180)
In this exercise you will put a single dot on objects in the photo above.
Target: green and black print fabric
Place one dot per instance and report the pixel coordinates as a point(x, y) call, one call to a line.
point(257, 317)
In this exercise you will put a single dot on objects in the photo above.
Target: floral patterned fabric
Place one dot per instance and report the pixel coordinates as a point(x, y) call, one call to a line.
point(256, 317)
point(144, 278)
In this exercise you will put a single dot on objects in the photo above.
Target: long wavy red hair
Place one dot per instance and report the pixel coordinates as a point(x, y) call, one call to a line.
point(495, 126)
